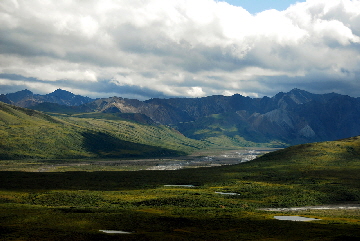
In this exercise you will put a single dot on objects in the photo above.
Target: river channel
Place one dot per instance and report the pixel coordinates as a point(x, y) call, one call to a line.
point(200, 159)
point(209, 158)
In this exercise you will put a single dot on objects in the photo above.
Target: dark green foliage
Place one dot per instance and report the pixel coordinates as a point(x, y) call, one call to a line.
point(63, 199)
point(105, 145)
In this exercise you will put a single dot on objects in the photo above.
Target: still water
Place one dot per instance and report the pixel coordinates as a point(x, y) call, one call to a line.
point(295, 218)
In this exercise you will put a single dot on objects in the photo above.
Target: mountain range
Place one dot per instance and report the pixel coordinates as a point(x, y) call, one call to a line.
point(285, 119)
point(26, 98)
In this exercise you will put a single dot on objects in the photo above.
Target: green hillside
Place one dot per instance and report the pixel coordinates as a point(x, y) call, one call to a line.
point(26, 133)
point(159, 136)
point(308, 174)
point(226, 129)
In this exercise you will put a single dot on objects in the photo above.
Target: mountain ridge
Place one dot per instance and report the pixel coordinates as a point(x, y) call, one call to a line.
point(293, 117)
point(26, 98)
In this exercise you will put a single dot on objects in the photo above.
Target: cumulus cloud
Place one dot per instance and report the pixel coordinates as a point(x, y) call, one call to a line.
point(156, 48)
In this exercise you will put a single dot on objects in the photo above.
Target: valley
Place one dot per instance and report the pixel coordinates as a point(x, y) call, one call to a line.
point(180, 120)
point(188, 203)
point(194, 160)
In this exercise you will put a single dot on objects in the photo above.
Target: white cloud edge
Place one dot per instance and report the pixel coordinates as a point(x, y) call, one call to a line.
point(314, 36)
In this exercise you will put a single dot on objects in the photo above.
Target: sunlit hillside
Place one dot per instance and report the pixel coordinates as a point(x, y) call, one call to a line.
point(31, 134)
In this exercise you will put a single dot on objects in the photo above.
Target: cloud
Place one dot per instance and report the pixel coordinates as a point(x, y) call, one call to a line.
point(173, 48)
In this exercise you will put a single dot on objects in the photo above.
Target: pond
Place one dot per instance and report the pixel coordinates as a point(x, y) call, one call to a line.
point(295, 218)
point(227, 193)
point(115, 231)
point(179, 186)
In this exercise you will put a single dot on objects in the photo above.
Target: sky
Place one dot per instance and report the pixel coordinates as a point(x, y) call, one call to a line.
point(256, 6)
point(180, 48)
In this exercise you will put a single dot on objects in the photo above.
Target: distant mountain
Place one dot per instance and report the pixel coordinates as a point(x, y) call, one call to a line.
point(26, 98)
point(293, 118)
point(288, 118)
point(64, 97)
point(162, 113)
point(23, 98)
point(4, 99)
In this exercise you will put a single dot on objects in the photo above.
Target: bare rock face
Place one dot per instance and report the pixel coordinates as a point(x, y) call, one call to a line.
point(307, 132)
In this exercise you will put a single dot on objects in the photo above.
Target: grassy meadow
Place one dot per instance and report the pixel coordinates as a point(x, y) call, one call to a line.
point(73, 205)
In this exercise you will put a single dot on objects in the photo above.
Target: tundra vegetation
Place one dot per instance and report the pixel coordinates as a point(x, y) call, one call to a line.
point(152, 205)
point(186, 204)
